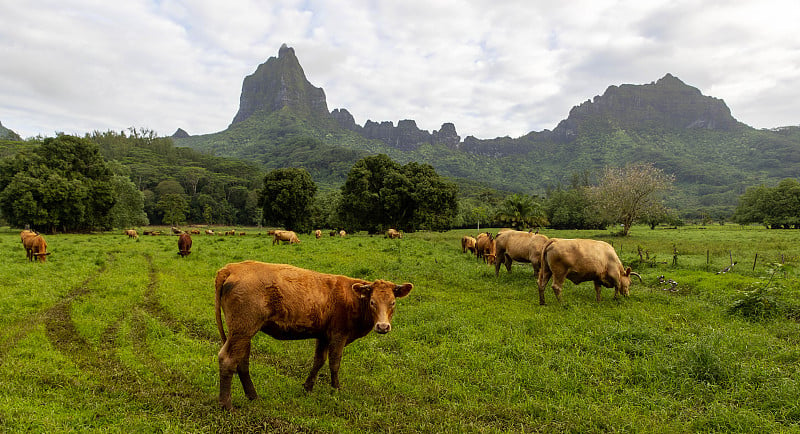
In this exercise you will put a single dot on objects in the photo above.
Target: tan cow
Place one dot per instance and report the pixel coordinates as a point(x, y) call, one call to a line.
point(318, 234)
point(209, 232)
point(131, 233)
point(287, 302)
point(184, 245)
point(582, 260)
point(518, 246)
point(176, 231)
point(467, 244)
point(35, 247)
point(485, 247)
point(342, 233)
point(394, 233)
point(279, 235)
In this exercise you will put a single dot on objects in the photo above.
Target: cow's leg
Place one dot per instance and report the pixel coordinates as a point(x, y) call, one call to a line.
point(335, 360)
point(232, 355)
point(558, 283)
point(320, 354)
point(508, 262)
point(598, 288)
point(544, 277)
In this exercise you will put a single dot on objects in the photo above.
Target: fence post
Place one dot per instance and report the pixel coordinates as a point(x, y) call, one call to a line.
point(754, 261)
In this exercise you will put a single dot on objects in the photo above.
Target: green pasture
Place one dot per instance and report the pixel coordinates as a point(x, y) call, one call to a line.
point(117, 335)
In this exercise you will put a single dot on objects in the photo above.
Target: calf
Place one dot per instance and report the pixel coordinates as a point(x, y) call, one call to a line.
point(287, 302)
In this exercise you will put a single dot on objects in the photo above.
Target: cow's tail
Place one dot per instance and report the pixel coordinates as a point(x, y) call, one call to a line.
point(544, 267)
point(222, 275)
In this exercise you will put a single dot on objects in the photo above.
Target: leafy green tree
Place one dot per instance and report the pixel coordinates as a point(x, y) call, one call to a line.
point(626, 194)
point(62, 184)
point(287, 199)
point(571, 209)
point(522, 211)
point(128, 210)
point(774, 207)
point(380, 193)
point(174, 208)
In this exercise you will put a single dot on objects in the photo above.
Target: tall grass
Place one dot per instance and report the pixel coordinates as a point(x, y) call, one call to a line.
point(115, 335)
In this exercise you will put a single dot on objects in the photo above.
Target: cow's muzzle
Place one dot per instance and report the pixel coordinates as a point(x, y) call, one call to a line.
point(383, 327)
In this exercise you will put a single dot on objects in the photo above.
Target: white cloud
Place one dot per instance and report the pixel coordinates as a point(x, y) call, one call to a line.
point(492, 68)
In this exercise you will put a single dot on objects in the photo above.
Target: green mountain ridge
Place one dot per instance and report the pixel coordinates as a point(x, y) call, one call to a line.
point(668, 123)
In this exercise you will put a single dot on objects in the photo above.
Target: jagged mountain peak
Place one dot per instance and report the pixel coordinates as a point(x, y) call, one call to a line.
point(277, 83)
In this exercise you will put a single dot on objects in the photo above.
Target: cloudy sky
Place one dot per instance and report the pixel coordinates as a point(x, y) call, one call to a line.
point(493, 68)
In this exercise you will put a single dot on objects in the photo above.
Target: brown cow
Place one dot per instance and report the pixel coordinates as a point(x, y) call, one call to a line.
point(195, 231)
point(467, 244)
point(318, 233)
point(485, 247)
point(287, 302)
point(22, 236)
point(394, 233)
point(279, 235)
point(184, 245)
point(131, 233)
point(518, 246)
point(582, 260)
point(35, 247)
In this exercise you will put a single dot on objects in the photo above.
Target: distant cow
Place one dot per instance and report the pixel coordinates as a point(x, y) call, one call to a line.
point(342, 233)
point(485, 247)
point(318, 233)
point(209, 232)
point(195, 231)
point(467, 244)
point(231, 232)
point(518, 246)
point(394, 233)
point(582, 260)
point(175, 230)
point(287, 302)
point(184, 245)
point(279, 235)
point(131, 233)
point(35, 247)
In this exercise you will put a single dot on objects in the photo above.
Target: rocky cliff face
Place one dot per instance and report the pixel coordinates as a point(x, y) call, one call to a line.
point(280, 82)
point(405, 136)
point(667, 103)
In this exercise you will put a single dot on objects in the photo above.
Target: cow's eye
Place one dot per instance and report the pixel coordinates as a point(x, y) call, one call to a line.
point(391, 304)
point(372, 303)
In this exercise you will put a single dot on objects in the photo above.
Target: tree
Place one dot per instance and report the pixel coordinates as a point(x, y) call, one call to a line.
point(287, 199)
point(128, 210)
point(380, 193)
point(571, 209)
point(626, 194)
point(774, 207)
point(520, 211)
point(64, 183)
point(174, 208)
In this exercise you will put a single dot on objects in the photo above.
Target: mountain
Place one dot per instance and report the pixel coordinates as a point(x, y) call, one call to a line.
point(7, 134)
point(283, 120)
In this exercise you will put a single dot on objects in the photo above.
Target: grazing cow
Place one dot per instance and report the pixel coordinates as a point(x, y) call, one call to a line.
point(22, 236)
point(176, 231)
point(342, 233)
point(209, 232)
point(184, 245)
point(582, 260)
point(35, 247)
point(467, 244)
point(332, 233)
point(318, 233)
point(195, 231)
point(518, 246)
point(231, 232)
point(279, 235)
point(485, 247)
point(287, 302)
point(131, 233)
point(394, 233)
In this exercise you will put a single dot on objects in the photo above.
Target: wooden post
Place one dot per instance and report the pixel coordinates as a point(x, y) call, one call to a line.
point(754, 261)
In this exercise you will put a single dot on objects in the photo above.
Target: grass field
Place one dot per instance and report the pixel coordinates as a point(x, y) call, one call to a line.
point(117, 335)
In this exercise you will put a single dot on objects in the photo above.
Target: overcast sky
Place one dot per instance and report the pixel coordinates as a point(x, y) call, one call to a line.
point(493, 68)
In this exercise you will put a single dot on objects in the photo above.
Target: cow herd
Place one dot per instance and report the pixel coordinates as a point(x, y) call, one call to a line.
point(559, 259)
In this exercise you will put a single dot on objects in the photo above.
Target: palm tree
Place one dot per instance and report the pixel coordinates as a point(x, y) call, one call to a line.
point(520, 211)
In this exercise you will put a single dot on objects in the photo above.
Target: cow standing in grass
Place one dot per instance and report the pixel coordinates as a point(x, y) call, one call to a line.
point(287, 302)
point(518, 246)
point(184, 245)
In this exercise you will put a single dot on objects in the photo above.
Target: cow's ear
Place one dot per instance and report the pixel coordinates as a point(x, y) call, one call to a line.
point(363, 290)
point(401, 291)
point(628, 271)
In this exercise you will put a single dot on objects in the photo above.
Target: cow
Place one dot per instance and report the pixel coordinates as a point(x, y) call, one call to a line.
point(467, 244)
point(518, 246)
point(394, 233)
point(131, 233)
point(231, 232)
point(195, 231)
point(279, 235)
point(582, 260)
point(184, 245)
point(176, 231)
point(209, 232)
point(318, 234)
point(342, 233)
point(485, 247)
point(286, 303)
point(35, 247)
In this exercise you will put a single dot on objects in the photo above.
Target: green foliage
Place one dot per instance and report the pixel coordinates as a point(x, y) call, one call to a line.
point(288, 197)
point(571, 209)
point(764, 302)
point(128, 209)
point(380, 193)
point(776, 207)
point(62, 184)
point(521, 211)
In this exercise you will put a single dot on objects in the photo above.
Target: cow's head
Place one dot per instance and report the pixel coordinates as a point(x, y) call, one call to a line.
point(625, 281)
point(381, 295)
point(42, 257)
